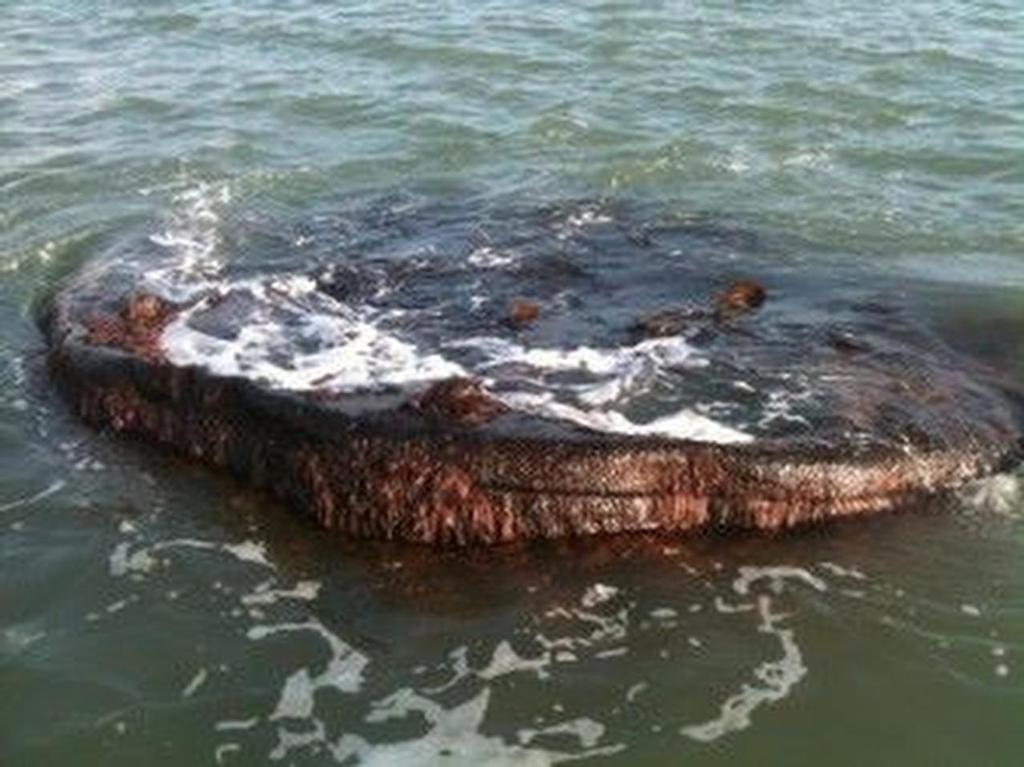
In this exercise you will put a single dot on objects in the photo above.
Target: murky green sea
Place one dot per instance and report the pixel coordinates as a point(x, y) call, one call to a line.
point(153, 613)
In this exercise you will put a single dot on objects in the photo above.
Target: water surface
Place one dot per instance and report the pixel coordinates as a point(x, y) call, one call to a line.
point(152, 611)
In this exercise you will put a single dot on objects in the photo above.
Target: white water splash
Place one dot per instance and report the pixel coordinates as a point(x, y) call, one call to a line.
point(999, 494)
point(488, 257)
point(598, 594)
point(324, 344)
point(191, 240)
point(684, 424)
point(621, 373)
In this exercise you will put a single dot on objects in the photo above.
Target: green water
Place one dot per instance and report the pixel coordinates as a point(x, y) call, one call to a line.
point(153, 613)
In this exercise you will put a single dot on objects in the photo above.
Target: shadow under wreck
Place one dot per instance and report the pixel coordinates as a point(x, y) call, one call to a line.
point(462, 372)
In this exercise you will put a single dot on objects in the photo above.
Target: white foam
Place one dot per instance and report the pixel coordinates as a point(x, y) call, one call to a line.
point(778, 677)
point(223, 750)
point(619, 371)
point(684, 424)
point(19, 637)
point(616, 374)
point(453, 730)
point(635, 690)
point(343, 671)
point(191, 241)
point(55, 487)
point(264, 595)
point(775, 576)
point(350, 351)
point(195, 683)
point(586, 730)
point(487, 257)
point(505, 660)
point(598, 594)
point(999, 494)
point(125, 561)
point(782, 405)
point(581, 218)
point(231, 725)
point(453, 733)
point(454, 736)
point(843, 572)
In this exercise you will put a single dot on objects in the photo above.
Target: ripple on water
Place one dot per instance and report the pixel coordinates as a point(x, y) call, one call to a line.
point(451, 703)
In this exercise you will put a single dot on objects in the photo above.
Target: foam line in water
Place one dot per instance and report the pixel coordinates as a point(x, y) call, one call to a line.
point(617, 371)
point(614, 375)
point(294, 338)
point(54, 487)
point(684, 424)
point(777, 677)
point(343, 672)
point(326, 345)
point(451, 718)
point(126, 561)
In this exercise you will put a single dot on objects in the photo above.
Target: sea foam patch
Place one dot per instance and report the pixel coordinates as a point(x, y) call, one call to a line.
point(520, 695)
point(295, 340)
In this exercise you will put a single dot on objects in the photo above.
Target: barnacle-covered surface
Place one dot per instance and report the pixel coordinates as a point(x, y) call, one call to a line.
point(377, 372)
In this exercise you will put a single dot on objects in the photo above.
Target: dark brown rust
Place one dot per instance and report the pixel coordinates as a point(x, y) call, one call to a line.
point(522, 312)
point(440, 472)
point(740, 297)
point(136, 328)
point(459, 400)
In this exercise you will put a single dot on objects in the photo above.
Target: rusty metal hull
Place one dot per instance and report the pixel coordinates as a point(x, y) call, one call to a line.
point(401, 474)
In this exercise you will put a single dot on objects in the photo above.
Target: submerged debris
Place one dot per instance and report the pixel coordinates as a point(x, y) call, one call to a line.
point(846, 342)
point(522, 312)
point(462, 400)
point(740, 297)
point(136, 328)
point(669, 322)
point(300, 385)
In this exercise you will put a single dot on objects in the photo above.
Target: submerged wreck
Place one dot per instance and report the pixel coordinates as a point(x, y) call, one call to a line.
point(570, 371)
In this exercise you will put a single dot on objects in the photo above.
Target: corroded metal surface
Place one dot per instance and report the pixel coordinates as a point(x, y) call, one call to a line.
point(431, 471)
